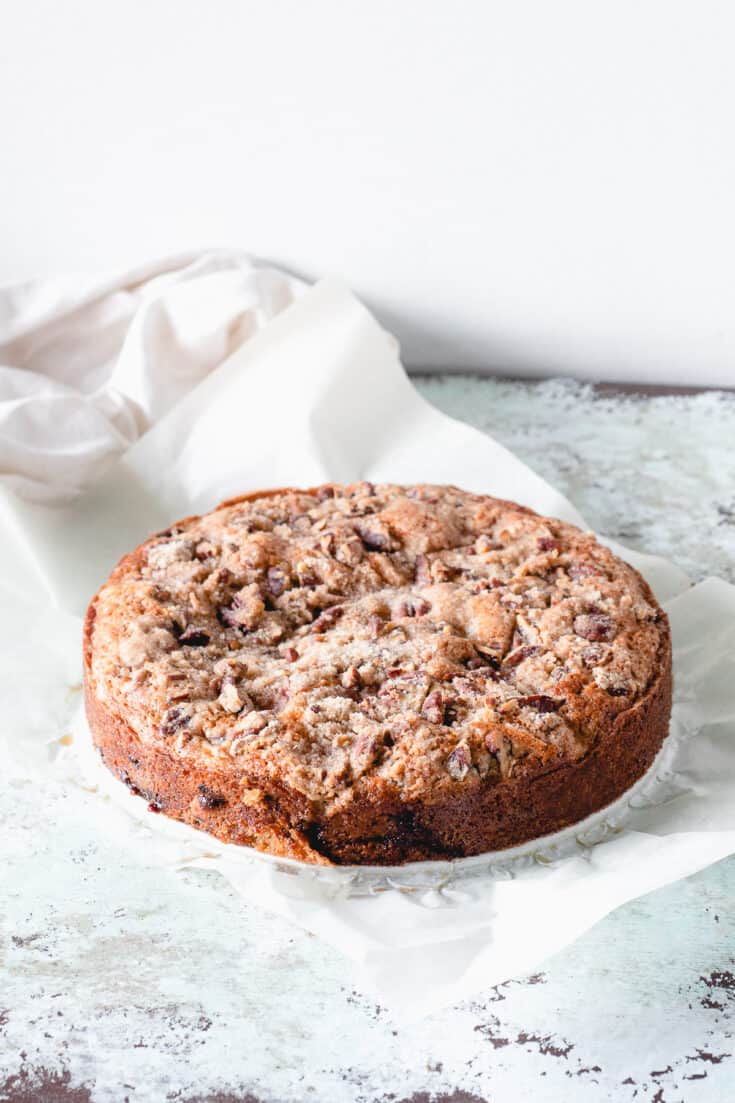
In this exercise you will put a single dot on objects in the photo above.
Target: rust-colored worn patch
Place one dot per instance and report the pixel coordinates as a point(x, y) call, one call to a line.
point(548, 1044)
point(710, 1058)
point(721, 978)
point(458, 1096)
point(40, 1085)
point(222, 1097)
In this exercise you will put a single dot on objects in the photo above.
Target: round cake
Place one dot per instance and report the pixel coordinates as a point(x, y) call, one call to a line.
point(376, 674)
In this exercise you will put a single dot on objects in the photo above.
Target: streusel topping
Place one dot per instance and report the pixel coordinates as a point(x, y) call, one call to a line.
point(422, 635)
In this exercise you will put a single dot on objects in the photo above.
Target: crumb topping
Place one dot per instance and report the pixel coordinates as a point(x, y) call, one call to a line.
point(423, 637)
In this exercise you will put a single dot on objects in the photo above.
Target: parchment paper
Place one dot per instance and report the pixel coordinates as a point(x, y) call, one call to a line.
point(319, 393)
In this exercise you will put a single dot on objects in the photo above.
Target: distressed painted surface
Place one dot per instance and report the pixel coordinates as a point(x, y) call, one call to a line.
point(658, 474)
point(177, 991)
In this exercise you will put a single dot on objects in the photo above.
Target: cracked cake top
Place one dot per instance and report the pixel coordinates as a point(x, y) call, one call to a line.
point(423, 635)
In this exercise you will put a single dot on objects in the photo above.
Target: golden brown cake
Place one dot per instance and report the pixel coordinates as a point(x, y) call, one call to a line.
point(376, 674)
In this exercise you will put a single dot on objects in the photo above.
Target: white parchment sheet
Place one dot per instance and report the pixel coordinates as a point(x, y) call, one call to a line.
point(140, 368)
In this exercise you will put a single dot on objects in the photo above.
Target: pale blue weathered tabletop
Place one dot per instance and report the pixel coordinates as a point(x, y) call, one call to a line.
point(181, 992)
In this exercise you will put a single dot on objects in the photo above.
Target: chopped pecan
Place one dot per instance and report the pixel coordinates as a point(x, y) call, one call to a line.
point(306, 573)
point(365, 488)
point(174, 719)
point(488, 657)
point(349, 551)
point(245, 611)
point(520, 655)
point(375, 625)
point(205, 549)
point(459, 762)
point(482, 668)
point(229, 618)
point(253, 723)
point(413, 607)
point(594, 654)
point(229, 697)
point(594, 627)
point(422, 574)
point(540, 702)
point(328, 543)
point(194, 637)
point(351, 678)
point(373, 540)
point(580, 570)
point(433, 707)
point(328, 618)
point(480, 586)
point(443, 572)
point(275, 582)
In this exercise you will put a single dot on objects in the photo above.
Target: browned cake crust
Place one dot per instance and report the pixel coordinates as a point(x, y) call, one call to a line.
point(367, 674)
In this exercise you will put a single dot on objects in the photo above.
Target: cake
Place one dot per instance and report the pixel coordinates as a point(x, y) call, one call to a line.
point(373, 674)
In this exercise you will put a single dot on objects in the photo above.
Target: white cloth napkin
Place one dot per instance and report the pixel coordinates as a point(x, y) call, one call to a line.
point(317, 393)
point(87, 366)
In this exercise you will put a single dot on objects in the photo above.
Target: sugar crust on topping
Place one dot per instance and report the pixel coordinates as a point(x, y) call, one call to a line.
point(423, 637)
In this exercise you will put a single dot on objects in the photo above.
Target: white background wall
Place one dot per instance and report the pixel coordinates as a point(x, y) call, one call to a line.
point(525, 187)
